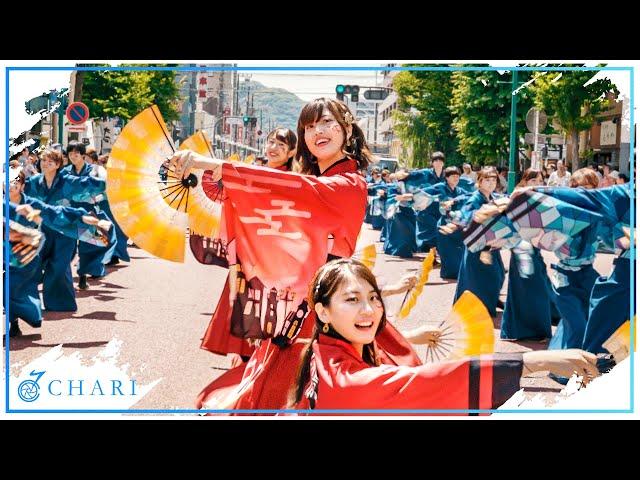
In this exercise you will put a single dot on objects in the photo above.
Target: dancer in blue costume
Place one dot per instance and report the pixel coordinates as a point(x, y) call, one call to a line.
point(24, 300)
point(56, 188)
point(610, 296)
point(569, 223)
point(93, 258)
point(449, 246)
point(527, 312)
point(482, 273)
point(427, 219)
point(375, 200)
point(400, 226)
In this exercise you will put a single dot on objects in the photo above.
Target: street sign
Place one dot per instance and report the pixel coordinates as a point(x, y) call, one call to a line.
point(77, 113)
point(77, 128)
point(528, 138)
point(531, 120)
point(376, 95)
point(554, 139)
point(234, 121)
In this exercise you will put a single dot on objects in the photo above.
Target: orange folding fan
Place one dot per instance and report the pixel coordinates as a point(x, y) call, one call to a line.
point(412, 295)
point(467, 331)
point(142, 190)
point(619, 343)
point(367, 256)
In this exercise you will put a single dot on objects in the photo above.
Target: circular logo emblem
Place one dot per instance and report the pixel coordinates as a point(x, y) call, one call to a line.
point(28, 391)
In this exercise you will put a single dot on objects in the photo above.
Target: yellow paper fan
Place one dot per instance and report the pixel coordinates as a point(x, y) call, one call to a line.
point(134, 187)
point(233, 158)
point(411, 297)
point(204, 213)
point(467, 331)
point(249, 158)
point(367, 256)
point(619, 343)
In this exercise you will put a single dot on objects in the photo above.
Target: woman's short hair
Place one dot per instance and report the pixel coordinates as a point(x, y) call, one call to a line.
point(584, 177)
point(453, 170)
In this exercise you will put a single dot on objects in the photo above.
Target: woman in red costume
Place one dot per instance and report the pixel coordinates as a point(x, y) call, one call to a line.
point(343, 368)
point(316, 216)
point(280, 150)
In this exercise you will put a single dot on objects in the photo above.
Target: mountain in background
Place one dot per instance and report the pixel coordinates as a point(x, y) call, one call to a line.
point(280, 108)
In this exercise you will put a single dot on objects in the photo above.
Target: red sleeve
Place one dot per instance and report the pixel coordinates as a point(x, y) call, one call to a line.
point(479, 383)
point(281, 220)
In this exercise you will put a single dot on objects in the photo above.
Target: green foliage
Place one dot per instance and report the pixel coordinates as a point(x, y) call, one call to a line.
point(424, 119)
point(574, 105)
point(565, 97)
point(124, 94)
point(481, 106)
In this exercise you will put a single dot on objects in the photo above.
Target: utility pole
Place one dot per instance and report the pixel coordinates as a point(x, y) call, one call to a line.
point(192, 103)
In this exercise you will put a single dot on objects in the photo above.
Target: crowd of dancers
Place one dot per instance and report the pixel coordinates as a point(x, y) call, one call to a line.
point(303, 322)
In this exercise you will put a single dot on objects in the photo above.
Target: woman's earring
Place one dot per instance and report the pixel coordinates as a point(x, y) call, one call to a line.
point(325, 328)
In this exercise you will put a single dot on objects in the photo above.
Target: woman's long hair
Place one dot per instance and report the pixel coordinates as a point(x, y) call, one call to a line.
point(324, 285)
point(354, 147)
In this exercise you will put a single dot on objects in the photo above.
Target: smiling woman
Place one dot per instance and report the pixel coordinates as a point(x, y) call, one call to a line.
point(343, 369)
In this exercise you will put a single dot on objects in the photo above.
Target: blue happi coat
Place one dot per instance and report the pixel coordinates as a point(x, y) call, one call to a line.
point(58, 292)
point(427, 219)
point(450, 247)
point(24, 300)
point(483, 280)
point(93, 257)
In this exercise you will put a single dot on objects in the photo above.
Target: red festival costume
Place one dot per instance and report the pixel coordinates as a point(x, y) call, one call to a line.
point(282, 223)
point(342, 380)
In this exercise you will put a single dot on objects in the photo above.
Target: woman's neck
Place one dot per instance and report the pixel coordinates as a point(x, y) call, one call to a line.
point(324, 164)
point(49, 177)
point(78, 168)
point(277, 164)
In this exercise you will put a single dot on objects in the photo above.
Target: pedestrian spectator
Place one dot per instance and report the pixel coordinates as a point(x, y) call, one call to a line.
point(31, 165)
point(622, 178)
point(91, 157)
point(468, 173)
point(607, 179)
point(596, 169)
point(24, 156)
point(559, 178)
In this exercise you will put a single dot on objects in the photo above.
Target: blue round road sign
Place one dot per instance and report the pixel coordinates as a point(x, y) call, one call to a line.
point(77, 113)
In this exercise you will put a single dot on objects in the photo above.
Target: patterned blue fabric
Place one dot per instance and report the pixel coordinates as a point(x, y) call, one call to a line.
point(93, 257)
point(58, 292)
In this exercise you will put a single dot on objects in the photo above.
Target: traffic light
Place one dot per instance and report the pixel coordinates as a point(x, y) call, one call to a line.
point(342, 90)
point(354, 93)
point(249, 121)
